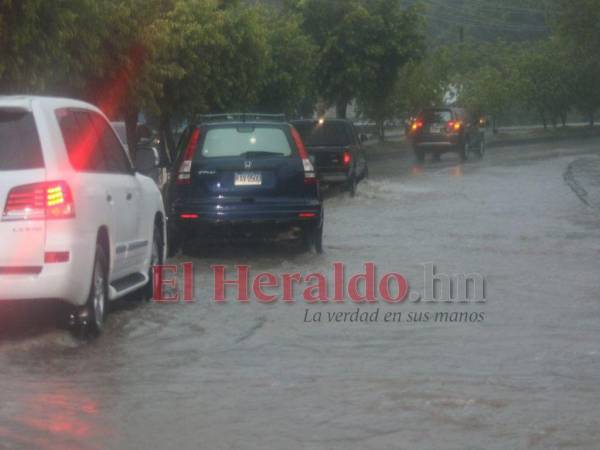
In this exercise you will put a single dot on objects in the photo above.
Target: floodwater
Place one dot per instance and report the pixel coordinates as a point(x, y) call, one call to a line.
point(260, 376)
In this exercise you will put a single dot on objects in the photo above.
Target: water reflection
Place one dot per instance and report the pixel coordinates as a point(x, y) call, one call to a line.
point(54, 418)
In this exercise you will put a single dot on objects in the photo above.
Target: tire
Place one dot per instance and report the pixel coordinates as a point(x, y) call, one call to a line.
point(419, 156)
point(319, 239)
point(313, 239)
point(463, 151)
point(97, 303)
point(365, 174)
point(174, 239)
point(156, 258)
point(352, 186)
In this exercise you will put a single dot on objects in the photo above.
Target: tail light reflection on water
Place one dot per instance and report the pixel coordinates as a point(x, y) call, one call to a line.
point(63, 419)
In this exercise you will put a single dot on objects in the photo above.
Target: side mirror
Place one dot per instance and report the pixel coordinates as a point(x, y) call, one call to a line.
point(147, 159)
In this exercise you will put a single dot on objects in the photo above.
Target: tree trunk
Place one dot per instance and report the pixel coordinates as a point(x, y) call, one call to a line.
point(341, 108)
point(563, 119)
point(131, 121)
point(543, 117)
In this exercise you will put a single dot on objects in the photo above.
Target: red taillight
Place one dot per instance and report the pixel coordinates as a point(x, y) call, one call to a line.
point(307, 215)
point(189, 216)
point(185, 170)
point(346, 158)
point(417, 125)
point(454, 125)
point(309, 170)
point(51, 200)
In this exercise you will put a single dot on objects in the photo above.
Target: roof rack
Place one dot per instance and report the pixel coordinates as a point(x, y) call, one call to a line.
point(242, 117)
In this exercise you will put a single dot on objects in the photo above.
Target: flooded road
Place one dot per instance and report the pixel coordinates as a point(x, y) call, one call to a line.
point(255, 376)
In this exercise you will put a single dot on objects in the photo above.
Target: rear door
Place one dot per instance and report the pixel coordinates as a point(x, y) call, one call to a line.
point(250, 163)
point(435, 124)
point(326, 142)
point(21, 163)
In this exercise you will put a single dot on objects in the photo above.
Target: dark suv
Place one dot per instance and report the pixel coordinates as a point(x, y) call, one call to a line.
point(244, 174)
point(441, 130)
point(336, 149)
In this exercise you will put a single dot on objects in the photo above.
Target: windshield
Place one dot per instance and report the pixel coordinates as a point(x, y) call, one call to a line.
point(19, 143)
point(323, 135)
point(244, 141)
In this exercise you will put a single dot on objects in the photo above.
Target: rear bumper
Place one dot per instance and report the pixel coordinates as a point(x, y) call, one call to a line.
point(450, 143)
point(54, 282)
point(257, 213)
point(68, 281)
point(333, 176)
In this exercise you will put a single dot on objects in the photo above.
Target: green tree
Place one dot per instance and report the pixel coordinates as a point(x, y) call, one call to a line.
point(221, 53)
point(543, 80)
point(392, 38)
point(577, 26)
point(288, 84)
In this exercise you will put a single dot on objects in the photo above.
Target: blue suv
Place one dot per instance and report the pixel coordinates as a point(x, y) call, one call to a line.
point(244, 174)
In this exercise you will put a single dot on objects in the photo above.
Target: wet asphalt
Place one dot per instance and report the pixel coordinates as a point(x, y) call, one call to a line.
point(203, 375)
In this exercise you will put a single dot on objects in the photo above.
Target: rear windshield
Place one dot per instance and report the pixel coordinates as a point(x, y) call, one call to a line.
point(436, 116)
point(245, 141)
point(19, 142)
point(323, 135)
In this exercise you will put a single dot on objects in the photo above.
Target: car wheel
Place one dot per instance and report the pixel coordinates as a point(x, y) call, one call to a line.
point(313, 239)
point(174, 239)
point(352, 186)
point(155, 260)
point(419, 156)
point(319, 239)
point(365, 173)
point(92, 320)
point(464, 151)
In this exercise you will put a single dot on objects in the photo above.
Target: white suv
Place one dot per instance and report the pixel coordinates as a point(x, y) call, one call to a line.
point(78, 223)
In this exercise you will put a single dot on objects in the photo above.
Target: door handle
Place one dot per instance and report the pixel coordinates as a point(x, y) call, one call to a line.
point(109, 198)
point(129, 196)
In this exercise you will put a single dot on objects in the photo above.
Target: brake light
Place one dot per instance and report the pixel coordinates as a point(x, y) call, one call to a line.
point(309, 170)
point(454, 125)
point(416, 125)
point(185, 169)
point(189, 216)
point(346, 158)
point(307, 215)
point(50, 200)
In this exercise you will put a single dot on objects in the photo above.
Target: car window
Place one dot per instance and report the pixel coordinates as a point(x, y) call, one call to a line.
point(242, 140)
point(325, 134)
point(81, 141)
point(436, 116)
point(20, 147)
point(110, 146)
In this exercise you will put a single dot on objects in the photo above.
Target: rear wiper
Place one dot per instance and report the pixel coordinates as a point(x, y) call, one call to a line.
point(260, 153)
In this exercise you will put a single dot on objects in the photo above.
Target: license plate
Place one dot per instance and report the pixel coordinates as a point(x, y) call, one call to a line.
point(435, 129)
point(248, 179)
